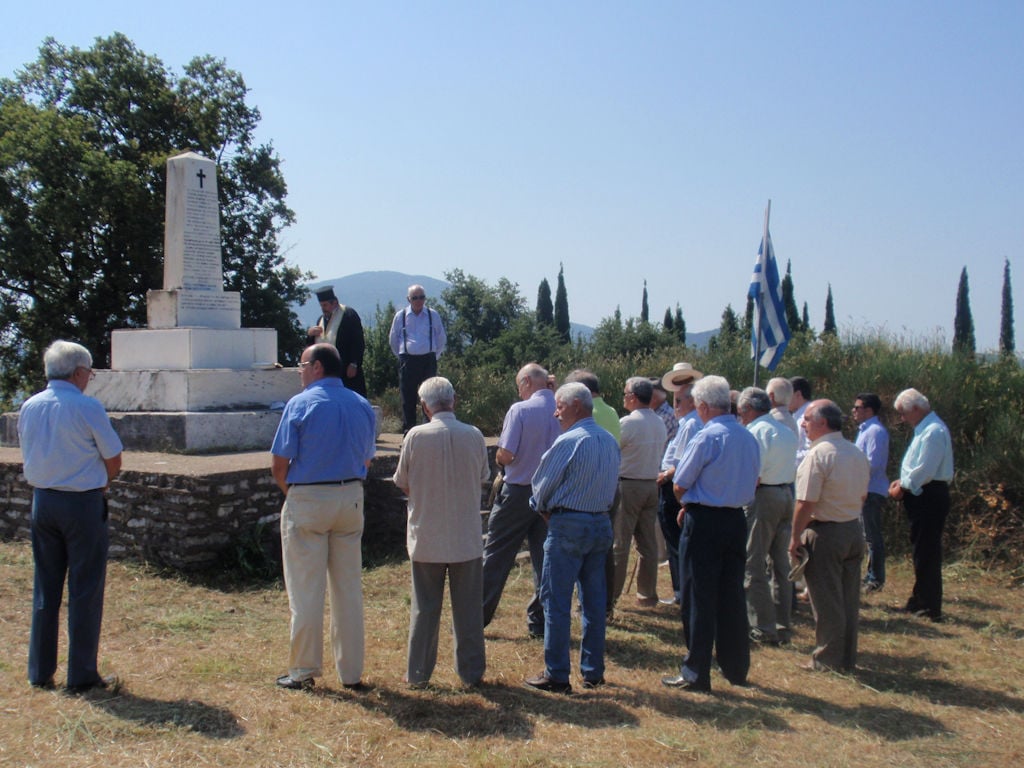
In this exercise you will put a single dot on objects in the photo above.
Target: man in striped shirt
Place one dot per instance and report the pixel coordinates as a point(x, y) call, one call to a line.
point(573, 489)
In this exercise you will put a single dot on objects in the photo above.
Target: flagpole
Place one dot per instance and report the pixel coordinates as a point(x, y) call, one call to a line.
point(759, 315)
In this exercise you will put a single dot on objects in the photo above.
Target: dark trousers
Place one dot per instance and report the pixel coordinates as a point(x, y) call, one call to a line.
point(712, 558)
point(871, 517)
point(668, 515)
point(413, 370)
point(510, 522)
point(927, 514)
point(69, 539)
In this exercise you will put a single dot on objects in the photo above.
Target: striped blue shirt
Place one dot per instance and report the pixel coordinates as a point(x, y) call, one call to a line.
point(580, 471)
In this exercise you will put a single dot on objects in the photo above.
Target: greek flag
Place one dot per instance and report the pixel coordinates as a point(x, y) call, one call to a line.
point(770, 314)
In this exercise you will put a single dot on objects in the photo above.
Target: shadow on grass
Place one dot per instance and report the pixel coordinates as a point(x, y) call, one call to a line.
point(489, 710)
point(890, 723)
point(203, 719)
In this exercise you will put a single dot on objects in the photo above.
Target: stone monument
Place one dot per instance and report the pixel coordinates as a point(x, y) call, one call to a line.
point(194, 380)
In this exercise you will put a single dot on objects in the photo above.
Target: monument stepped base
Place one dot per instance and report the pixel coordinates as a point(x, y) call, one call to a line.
point(210, 389)
point(133, 349)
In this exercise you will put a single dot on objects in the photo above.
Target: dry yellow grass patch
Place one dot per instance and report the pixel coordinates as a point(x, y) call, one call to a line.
point(199, 664)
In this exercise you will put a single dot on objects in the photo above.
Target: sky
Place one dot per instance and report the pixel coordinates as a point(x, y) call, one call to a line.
point(630, 142)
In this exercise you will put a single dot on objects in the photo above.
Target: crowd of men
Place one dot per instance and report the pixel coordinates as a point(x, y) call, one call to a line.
point(742, 492)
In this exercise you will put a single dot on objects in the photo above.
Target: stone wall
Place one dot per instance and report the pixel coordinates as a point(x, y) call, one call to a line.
point(199, 520)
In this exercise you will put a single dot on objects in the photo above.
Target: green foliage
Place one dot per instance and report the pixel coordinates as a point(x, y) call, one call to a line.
point(562, 308)
point(84, 139)
point(645, 309)
point(476, 313)
point(380, 368)
point(789, 300)
point(1006, 342)
point(680, 326)
point(545, 309)
point(805, 320)
point(666, 323)
point(963, 322)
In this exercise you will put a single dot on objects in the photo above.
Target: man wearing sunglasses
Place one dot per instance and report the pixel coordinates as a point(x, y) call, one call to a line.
point(417, 339)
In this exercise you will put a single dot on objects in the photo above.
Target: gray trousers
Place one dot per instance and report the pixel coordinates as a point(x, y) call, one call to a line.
point(769, 598)
point(833, 581)
point(637, 517)
point(465, 583)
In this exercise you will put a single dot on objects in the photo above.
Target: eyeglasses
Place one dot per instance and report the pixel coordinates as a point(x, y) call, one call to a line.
point(307, 362)
point(417, 298)
point(626, 394)
point(860, 407)
point(92, 373)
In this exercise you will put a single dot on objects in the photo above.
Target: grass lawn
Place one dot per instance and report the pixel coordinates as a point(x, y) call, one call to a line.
point(198, 667)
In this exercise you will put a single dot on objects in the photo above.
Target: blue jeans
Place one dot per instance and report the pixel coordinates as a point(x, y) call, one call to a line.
point(69, 538)
point(871, 516)
point(574, 554)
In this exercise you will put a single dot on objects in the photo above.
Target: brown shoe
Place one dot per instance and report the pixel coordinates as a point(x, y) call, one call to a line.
point(647, 602)
point(544, 683)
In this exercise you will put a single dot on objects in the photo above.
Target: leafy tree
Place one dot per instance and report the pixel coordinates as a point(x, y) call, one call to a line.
point(379, 366)
point(562, 308)
point(963, 322)
point(645, 309)
point(474, 312)
point(829, 328)
point(805, 320)
point(680, 325)
point(747, 331)
point(789, 302)
point(1006, 343)
point(666, 323)
point(728, 330)
point(545, 309)
point(84, 139)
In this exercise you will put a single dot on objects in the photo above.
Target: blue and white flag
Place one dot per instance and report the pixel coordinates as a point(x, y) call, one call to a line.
point(770, 313)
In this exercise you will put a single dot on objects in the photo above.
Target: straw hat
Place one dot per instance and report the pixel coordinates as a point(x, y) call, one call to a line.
point(681, 373)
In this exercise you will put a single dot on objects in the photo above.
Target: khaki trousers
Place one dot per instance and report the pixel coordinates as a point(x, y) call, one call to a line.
point(321, 534)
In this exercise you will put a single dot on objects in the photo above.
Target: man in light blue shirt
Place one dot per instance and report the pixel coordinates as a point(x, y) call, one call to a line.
point(71, 453)
point(417, 339)
point(714, 480)
point(873, 440)
point(573, 489)
point(923, 486)
point(769, 521)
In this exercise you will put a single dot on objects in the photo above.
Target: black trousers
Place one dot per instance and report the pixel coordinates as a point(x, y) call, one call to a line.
point(712, 559)
point(927, 514)
point(413, 370)
point(668, 515)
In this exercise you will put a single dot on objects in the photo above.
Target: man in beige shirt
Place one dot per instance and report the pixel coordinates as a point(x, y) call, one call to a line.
point(441, 467)
point(831, 484)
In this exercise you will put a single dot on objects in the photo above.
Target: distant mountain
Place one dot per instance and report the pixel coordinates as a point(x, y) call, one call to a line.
point(365, 291)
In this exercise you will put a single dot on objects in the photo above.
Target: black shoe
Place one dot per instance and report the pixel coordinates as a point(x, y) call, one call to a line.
point(102, 683)
point(536, 634)
point(544, 683)
point(359, 687)
point(592, 684)
point(46, 685)
point(680, 682)
point(289, 682)
point(761, 637)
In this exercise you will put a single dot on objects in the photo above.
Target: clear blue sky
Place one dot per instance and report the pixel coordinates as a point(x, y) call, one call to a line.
point(630, 141)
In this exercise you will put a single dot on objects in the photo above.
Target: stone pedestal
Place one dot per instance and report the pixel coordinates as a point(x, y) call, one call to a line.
point(184, 348)
point(183, 308)
point(194, 390)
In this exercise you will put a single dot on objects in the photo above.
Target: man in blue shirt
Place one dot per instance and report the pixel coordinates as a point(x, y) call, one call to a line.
point(573, 489)
point(529, 430)
point(715, 478)
point(873, 440)
point(923, 486)
point(71, 453)
point(319, 459)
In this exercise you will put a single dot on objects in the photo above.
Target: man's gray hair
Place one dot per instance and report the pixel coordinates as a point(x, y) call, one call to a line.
point(754, 398)
point(574, 390)
point(911, 398)
point(713, 391)
point(641, 387)
point(62, 358)
point(831, 414)
point(534, 372)
point(780, 389)
point(438, 394)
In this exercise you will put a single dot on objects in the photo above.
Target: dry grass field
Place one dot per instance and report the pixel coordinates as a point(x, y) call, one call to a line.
point(198, 667)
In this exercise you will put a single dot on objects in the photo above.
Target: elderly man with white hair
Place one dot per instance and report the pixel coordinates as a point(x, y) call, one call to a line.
point(573, 489)
point(714, 480)
point(417, 338)
point(780, 392)
point(441, 468)
point(923, 486)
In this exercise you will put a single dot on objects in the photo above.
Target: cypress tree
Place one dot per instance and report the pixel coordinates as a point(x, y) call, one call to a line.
point(1006, 343)
point(680, 325)
point(748, 318)
point(963, 322)
point(829, 329)
point(805, 322)
point(545, 309)
point(789, 302)
point(562, 307)
point(667, 322)
point(645, 310)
